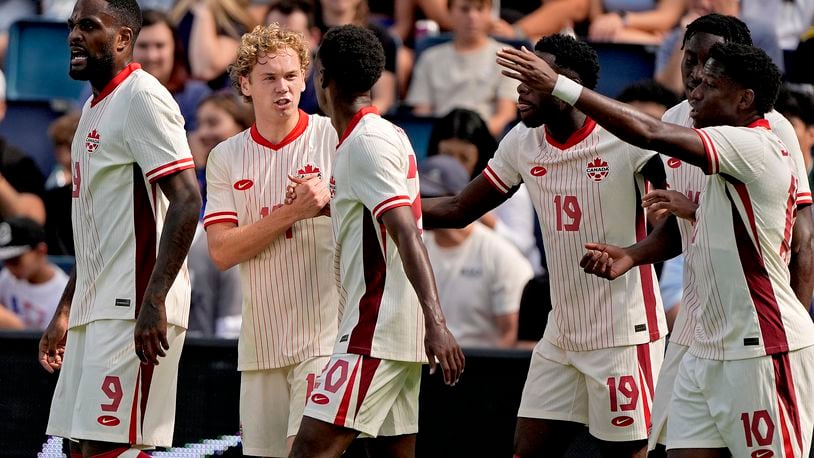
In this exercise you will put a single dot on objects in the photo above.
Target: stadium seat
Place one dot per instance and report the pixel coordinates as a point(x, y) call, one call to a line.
point(37, 62)
point(65, 263)
point(424, 43)
point(621, 65)
point(26, 127)
point(418, 129)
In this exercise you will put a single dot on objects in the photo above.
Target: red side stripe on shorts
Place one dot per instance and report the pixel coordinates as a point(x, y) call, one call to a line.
point(645, 379)
point(134, 410)
point(369, 366)
point(787, 397)
point(342, 413)
point(146, 380)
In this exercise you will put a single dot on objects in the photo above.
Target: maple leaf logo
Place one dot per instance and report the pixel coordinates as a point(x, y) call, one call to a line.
point(597, 170)
point(309, 169)
point(92, 141)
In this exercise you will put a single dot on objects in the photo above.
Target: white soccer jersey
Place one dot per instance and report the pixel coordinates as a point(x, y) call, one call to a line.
point(375, 171)
point(586, 190)
point(691, 181)
point(129, 137)
point(290, 299)
point(740, 248)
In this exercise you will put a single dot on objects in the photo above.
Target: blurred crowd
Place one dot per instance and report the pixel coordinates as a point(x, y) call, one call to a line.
point(440, 66)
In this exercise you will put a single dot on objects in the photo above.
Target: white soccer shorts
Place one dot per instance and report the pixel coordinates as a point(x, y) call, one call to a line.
point(664, 393)
point(610, 389)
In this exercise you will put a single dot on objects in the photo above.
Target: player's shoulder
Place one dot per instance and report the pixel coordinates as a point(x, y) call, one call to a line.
point(321, 124)
point(231, 146)
point(678, 114)
point(143, 83)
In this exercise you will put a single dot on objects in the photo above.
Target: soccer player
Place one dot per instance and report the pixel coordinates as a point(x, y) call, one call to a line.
point(602, 348)
point(688, 182)
point(285, 252)
point(743, 387)
point(392, 320)
point(135, 206)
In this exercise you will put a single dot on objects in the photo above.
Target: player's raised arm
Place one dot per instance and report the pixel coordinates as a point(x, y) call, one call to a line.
point(439, 342)
point(459, 211)
point(622, 120)
point(181, 189)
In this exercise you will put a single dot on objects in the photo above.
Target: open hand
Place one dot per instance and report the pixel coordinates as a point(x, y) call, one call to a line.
point(528, 68)
point(443, 350)
point(672, 201)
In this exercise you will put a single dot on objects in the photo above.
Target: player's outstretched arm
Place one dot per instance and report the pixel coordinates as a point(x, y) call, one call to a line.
point(439, 342)
point(459, 211)
point(230, 244)
point(611, 262)
point(801, 265)
point(619, 118)
point(52, 342)
point(184, 197)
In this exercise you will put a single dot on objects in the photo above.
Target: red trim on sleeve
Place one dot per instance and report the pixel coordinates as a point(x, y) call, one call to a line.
point(168, 169)
point(713, 166)
point(388, 204)
point(224, 219)
point(299, 129)
point(115, 82)
point(355, 120)
point(803, 198)
point(580, 134)
point(495, 180)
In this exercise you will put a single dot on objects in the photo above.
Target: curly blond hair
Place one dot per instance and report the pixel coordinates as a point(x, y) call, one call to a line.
point(262, 41)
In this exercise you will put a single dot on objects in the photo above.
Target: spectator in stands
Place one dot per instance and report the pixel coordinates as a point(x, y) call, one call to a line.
point(210, 32)
point(669, 54)
point(463, 73)
point(788, 18)
point(217, 299)
point(220, 115)
point(649, 97)
point(404, 12)
point(30, 285)
point(633, 21)
point(298, 15)
point(553, 16)
point(480, 276)
point(160, 53)
point(59, 187)
point(332, 13)
point(463, 135)
point(21, 181)
point(798, 108)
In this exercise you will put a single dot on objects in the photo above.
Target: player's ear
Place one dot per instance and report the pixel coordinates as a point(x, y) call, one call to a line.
point(125, 39)
point(245, 86)
point(747, 100)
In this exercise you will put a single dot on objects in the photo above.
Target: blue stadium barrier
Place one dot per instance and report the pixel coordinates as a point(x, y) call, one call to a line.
point(64, 262)
point(418, 129)
point(621, 65)
point(37, 62)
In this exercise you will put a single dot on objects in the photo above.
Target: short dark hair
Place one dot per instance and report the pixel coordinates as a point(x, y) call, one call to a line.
point(752, 68)
point(467, 125)
point(648, 91)
point(128, 13)
point(795, 104)
point(573, 55)
point(289, 7)
point(730, 28)
point(351, 56)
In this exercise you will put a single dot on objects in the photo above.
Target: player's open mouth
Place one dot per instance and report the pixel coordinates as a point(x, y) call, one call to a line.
point(523, 106)
point(282, 103)
point(78, 56)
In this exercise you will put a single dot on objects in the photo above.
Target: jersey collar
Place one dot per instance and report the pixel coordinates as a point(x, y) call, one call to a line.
point(576, 137)
point(355, 120)
point(115, 82)
point(302, 124)
point(762, 122)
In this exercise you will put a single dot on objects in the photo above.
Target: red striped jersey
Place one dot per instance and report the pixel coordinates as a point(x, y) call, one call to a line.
point(290, 296)
point(129, 136)
point(587, 189)
point(739, 249)
point(374, 172)
point(691, 181)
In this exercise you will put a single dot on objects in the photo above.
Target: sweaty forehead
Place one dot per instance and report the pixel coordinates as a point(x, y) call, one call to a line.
point(91, 8)
point(701, 42)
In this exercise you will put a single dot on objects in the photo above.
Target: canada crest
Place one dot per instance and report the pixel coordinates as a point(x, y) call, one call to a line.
point(309, 169)
point(597, 170)
point(92, 141)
